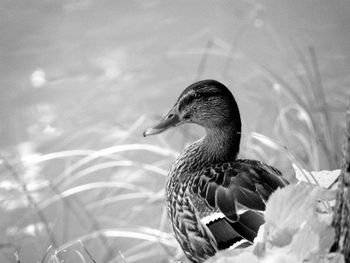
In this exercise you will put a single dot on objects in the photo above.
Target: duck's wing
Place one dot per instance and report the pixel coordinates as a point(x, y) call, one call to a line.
point(236, 187)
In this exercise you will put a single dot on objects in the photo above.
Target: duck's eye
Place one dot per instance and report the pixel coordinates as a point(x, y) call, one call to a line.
point(197, 95)
point(170, 116)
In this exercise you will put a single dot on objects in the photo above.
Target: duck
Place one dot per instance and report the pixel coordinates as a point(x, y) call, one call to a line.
point(213, 199)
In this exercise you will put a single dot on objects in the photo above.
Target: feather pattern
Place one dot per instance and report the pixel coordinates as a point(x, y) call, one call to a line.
point(242, 184)
point(195, 239)
point(198, 187)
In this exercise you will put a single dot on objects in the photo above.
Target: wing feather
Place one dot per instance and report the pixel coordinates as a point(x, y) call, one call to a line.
point(226, 203)
point(233, 185)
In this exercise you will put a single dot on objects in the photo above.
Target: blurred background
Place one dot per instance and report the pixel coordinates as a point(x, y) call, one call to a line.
point(80, 80)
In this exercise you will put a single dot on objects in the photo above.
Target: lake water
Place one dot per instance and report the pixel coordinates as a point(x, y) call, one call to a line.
point(72, 64)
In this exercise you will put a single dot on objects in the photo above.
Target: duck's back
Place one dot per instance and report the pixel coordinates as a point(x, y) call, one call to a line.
point(235, 192)
point(228, 186)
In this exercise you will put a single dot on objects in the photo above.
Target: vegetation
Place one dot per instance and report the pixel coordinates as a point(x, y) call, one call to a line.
point(79, 183)
point(106, 205)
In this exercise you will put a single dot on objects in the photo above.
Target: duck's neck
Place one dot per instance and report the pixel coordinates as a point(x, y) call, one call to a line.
point(217, 146)
point(222, 143)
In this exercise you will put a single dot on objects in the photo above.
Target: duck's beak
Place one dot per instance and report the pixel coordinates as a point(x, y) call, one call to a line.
point(171, 120)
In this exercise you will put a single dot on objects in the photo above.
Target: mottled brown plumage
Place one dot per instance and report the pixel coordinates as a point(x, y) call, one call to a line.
point(207, 177)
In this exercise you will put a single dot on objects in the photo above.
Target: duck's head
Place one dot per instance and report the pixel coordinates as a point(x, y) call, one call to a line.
point(207, 103)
